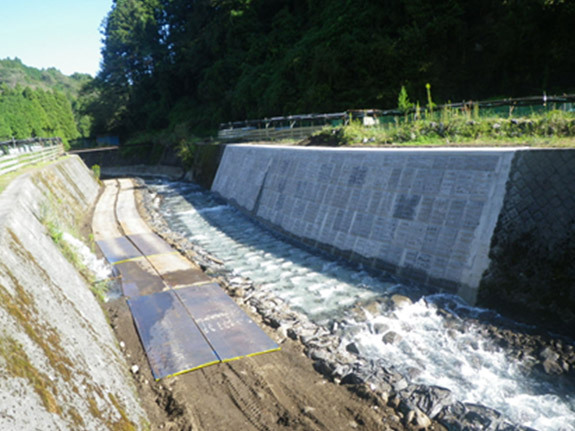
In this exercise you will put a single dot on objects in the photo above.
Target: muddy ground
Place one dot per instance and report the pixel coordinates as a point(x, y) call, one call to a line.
point(279, 390)
point(274, 391)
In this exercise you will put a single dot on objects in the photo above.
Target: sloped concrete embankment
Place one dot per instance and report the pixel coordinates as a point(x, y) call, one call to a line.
point(59, 360)
point(427, 215)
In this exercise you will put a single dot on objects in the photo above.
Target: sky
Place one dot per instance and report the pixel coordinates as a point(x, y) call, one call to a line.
point(64, 34)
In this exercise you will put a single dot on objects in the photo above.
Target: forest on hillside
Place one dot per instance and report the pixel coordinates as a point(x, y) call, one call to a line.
point(201, 62)
point(25, 113)
point(42, 102)
point(13, 72)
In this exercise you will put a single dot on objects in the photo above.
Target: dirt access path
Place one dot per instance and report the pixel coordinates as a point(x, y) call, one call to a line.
point(274, 391)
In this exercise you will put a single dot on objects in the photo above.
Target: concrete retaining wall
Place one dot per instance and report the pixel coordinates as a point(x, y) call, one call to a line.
point(424, 214)
point(59, 360)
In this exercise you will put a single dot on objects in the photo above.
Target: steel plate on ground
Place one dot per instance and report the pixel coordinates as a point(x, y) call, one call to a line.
point(128, 215)
point(139, 278)
point(118, 249)
point(150, 243)
point(104, 221)
point(172, 341)
point(229, 330)
point(177, 271)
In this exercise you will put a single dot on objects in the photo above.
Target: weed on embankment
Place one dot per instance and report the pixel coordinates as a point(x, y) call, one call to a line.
point(451, 127)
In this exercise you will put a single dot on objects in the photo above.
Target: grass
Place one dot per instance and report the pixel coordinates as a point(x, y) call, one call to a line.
point(18, 365)
point(6, 179)
point(77, 419)
point(124, 423)
point(22, 308)
point(448, 127)
point(99, 288)
point(96, 170)
point(55, 229)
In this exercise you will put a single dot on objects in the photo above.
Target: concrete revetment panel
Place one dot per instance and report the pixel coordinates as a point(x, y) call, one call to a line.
point(423, 214)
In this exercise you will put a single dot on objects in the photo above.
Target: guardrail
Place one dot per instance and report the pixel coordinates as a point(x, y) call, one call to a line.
point(268, 134)
point(18, 154)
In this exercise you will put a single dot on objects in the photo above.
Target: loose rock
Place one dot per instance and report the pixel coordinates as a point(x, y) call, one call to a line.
point(352, 348)
point(391, 338)
point(400, 301)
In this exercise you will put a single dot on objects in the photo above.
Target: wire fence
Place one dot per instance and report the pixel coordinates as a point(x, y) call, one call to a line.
point(15, 155)
point(302, 126)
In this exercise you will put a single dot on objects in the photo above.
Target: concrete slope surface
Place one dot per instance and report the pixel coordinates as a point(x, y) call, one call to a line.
point(60, 363)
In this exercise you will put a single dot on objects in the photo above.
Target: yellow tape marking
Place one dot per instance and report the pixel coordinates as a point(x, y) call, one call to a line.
point(132, 259)
point(179, 373)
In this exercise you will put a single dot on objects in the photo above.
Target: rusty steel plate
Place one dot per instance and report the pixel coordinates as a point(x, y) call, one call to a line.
point(177, 271)
point(118, 249)
point(185, 278)
point(227, 327)
point(139, 278)
point(172, 341)
point(150, 244)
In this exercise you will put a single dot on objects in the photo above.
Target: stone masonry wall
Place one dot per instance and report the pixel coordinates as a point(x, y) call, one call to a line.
point(532, 271)
point(425, 215)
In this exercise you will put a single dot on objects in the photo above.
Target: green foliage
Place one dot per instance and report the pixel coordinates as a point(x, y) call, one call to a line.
point(26, 113)
point(15, 75)
point(203, 62)
point(187, 152)
point(403, 103)
point(430, 104)
point(96, 171)
point(457, 127)
point(55, 229)
point(100, 290)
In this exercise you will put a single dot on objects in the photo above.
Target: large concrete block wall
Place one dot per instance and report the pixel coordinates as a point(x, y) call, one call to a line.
point(60, 362)
point(423, 214)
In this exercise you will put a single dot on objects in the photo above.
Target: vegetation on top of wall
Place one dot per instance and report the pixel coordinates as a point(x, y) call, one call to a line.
point(456, 128)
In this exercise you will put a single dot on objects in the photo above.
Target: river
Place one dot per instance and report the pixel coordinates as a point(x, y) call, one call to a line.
point(455, 355)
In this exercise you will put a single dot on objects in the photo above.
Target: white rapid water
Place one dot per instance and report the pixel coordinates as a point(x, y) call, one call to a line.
point(99, 267)
point(426, 347)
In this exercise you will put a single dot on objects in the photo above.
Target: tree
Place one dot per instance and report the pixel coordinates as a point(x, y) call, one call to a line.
point(202, 62)
point(27, 113)
point(403, 103)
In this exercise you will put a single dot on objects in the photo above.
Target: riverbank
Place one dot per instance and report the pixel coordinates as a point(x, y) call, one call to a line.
point(324, 345)
point(273, 391)
point(60, 364)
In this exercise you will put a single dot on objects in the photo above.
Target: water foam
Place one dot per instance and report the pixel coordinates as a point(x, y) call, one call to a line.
point(101, 270)
point(453, 354)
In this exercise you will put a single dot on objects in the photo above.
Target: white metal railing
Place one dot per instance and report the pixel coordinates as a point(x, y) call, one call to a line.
point(15, 155)
point(267, 134)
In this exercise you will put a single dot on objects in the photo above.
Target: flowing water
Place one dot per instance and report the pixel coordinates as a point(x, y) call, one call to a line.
point(100, 269)
point(464, 360)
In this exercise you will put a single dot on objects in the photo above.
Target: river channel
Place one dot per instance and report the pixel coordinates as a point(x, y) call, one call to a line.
point(420, 342)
